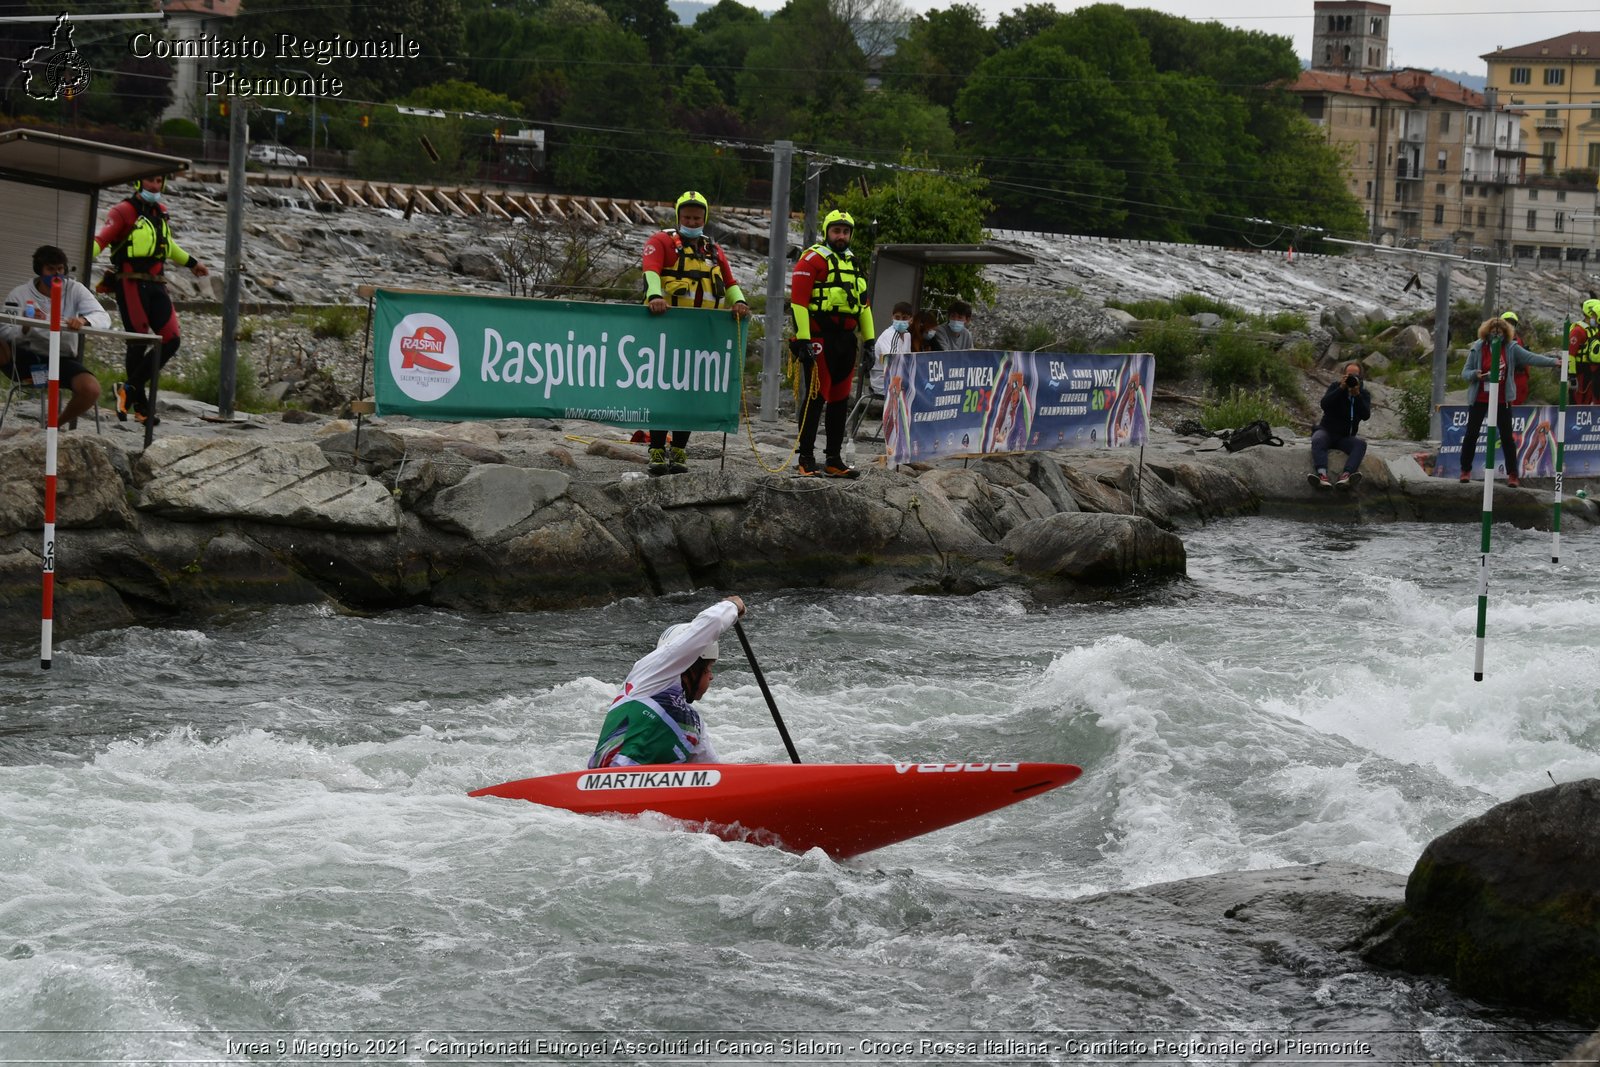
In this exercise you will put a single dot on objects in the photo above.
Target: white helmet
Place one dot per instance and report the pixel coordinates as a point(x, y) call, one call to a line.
point(709, 652)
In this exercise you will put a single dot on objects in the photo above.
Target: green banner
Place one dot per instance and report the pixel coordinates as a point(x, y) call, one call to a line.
point(456, 356)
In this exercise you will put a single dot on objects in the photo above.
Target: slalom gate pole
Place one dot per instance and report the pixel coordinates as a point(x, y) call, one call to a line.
point(1561, 447)
point(52, 417)
point(783, 731)
point(1488, 503)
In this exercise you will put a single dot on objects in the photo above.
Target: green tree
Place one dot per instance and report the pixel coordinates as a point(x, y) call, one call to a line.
point(939, 53)
point(805, 77)
point(1024, 23)
point(719, 41)
point(398, 146)
point(924, 206)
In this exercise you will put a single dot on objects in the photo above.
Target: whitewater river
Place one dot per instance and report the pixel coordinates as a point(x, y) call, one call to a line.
point(251, 841)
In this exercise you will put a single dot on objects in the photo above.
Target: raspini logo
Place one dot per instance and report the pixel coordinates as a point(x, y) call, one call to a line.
point(56, 71)
point(424, 357)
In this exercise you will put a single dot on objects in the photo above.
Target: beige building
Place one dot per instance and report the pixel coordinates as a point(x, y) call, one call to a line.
point(1557, 81)
point(1429, 158)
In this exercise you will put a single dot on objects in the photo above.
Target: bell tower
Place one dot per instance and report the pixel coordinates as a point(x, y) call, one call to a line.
point(1351, 36)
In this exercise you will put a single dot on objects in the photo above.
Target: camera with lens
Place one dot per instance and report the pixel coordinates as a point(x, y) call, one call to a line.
point(1352, 381)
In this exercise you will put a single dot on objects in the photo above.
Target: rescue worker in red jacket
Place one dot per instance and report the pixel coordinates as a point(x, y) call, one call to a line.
point(827, 294)
point(141, 244)
point(1583, 356)
point(685, 268)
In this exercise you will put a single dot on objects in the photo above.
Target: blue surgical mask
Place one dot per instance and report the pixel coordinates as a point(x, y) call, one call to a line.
point(902, 326)
point(692, 232)
point(148, 197)
point(927, 335)
point(957, 326)
point(46, 279)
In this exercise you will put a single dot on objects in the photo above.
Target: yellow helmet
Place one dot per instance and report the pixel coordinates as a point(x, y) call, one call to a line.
point(692, 199)
point(838, 218)
point(1511, 317)
point(1591, 309)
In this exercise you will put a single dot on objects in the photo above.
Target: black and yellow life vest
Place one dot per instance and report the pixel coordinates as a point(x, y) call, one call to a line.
point(695, 278)
point(144, 250)
point(841, 291)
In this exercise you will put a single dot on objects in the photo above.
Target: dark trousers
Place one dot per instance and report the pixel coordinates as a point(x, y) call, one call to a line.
point(1469, 441)
point(658, 438)
point(1354, 448)
point(145, 307)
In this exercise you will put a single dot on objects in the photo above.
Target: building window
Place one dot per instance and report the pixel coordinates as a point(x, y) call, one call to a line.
point(1372, 153)
point(1555, 76)
point(1377, 28)
point(1533, 220)
point(1466, 216)
point(1438, 189)
point(1372, 117)
point(1594, 155)
point(1561, 196)
point(1369, 189)
point(1327, 55)
point(1548, 159)
point(1444, 122)
point(1347, 55)
point(1561, 221)
point(1483, 217)
point(1444, 159)
point(1533, 194)
point(1438, 214)
point(1594, 114)
point(1521, 75)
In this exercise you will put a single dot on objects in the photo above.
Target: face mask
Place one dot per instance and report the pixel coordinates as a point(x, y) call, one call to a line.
point(692, 232)
point(927, 335)
point(957, 326)
point(148, 197)
point(46, 279)
point(902, 326)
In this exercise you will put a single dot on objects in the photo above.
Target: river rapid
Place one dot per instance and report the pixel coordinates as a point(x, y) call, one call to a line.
point(252, 841)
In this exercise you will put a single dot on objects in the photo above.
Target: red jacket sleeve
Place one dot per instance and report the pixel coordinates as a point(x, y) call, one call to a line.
point(727, 272)
point(658, 250)
point(1580, 337)
point(119, 223)
point(807, 270)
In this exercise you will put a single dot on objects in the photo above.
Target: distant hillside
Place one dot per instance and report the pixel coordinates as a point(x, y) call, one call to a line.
point(687, 10)
point(1477, 82)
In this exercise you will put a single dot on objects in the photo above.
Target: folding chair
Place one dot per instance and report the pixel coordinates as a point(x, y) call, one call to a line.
point(36, 377)
point(866, 394)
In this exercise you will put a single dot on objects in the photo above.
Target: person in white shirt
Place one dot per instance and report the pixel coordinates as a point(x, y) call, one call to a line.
point(24, 347)
point(894, 340)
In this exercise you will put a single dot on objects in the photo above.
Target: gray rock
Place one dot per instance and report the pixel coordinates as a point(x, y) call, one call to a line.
point(1206, 320)
point(288, 484)
point(1095, 549)
point(89, 490)
point(492, 501)
point(1412, 343)
point(1505, 905)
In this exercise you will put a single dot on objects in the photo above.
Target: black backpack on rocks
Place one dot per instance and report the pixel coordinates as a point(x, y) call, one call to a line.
point(1258, 432)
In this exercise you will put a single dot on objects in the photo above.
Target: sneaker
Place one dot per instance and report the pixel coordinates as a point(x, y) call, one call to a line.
point(1344, 481)
point(837, 468)
point(806, 466)
point(1512, 482)
point(679, 464)
point(658, 463)
point(1323, 483)
point(120, 392)
point(1314, 479)
point(1466, 477)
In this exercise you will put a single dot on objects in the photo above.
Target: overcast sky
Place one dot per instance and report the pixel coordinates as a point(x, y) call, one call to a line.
point(1434, 34)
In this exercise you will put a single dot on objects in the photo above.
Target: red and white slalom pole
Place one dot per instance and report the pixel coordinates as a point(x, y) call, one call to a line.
point(52, 416)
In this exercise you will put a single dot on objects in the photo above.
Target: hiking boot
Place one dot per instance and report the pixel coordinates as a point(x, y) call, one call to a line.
point(658, 463)
point(1512, 482)
point(1466, 477)
point(837, 468)
point(679, 464)
point(120, 392)
point(806, 466)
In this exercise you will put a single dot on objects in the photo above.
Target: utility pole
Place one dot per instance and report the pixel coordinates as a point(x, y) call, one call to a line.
point(232, 258)
point(813, 200)
point(777, 281)
point(1441, 347)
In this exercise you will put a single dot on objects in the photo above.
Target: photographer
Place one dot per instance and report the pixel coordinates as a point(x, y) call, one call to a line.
point(1344, 406)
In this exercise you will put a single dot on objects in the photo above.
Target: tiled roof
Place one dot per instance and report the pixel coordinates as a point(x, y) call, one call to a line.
point(1406, 85)
point(1579, 45)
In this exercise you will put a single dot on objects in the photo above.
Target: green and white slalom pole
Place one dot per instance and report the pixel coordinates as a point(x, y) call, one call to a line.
point(1561, 444)
point(1493, 419)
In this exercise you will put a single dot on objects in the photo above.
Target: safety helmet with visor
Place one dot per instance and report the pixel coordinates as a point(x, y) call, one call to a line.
point(1591, 309)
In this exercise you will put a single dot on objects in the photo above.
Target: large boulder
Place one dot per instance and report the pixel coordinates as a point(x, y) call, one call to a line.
point(1507, 906)
point(1095, 549)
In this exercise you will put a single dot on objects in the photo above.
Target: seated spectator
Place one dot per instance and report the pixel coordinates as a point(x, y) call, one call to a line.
point(925, 332)
point(891, 342)
point(955, 335)
point(23, 347)
point(1345, 406)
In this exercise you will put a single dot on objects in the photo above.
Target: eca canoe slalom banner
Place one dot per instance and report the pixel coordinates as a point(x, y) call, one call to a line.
point(953, 403)
point(457, 356)
point(1534, 430)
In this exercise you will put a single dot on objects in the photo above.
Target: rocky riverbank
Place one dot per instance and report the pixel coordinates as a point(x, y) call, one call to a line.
point(509, 515)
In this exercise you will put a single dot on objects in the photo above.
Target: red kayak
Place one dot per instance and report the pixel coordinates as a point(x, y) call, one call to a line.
point(842, 808)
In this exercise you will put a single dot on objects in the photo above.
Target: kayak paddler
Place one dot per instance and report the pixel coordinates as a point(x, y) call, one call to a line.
point(653, 719)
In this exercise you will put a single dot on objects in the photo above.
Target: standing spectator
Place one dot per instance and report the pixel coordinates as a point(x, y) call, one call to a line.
point(1519, 394)
point(826, 296)
point(141, 243)
point(956, 333)
point(1345, 405)
point(23, 346)
point(1583, 356)
point(685, 268)
point(1477, 371)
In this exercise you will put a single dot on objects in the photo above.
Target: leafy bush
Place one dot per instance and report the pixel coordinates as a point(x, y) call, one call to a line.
point(1416, 406)
point(1284, 322)
point(1143, 309)
point(1174, 343)
point(1196, 304)
point(202, 379)
point(340, 321)
point(179, 128)
point(1240, 407)
point(1238, 361)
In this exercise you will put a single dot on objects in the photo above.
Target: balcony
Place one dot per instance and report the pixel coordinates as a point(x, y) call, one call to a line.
point(1547, 124)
